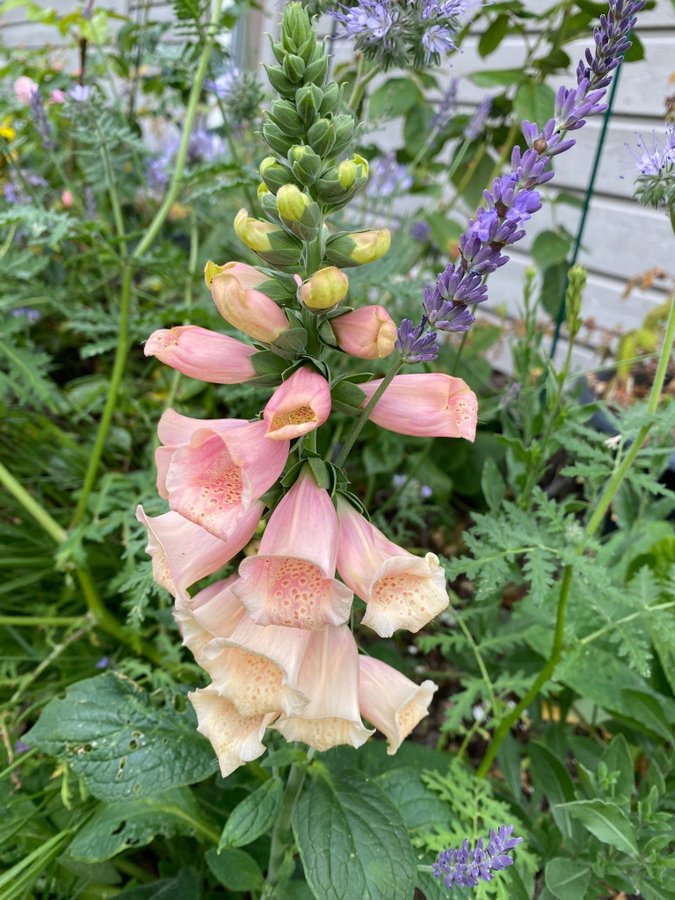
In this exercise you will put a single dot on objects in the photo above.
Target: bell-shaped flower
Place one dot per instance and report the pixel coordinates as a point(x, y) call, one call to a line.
point(400, 590)
point(292, 579)
point(425, 405)
point(391, 702)
point(330, 677)
point(247, 309)
point(218, 471)
point(299, 405)
point(235, 739)
point(183, 553)
point(202, 354)
point(368, 332)
point(223, 616)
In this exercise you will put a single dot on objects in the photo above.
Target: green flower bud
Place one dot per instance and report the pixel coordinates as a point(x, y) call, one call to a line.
point(358, 248)
point(307, 101)
point(283, 115)
point(294, 68)
point(305, 163)
point(295, 24)
point(331, 98)
point(279, 82)
point(262, 190)
point(316, 71)
point(269, 204)
point(298, 212)
point(274, 173)
point(321, 136)
point(344, 132)
point(325, 289)
point(276, 138)
point(269, 241)
point(307, 49)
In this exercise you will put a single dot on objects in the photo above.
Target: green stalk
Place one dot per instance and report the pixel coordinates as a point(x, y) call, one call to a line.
point(364, 76)
point(358, 425)
point(281, 835)
point(31, 505)
point(39, 621)
point(610, 491)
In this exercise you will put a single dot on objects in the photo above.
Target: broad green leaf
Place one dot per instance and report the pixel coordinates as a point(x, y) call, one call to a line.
point(636, 52)
point(493, 35)
point(420, 808)
point(134, 823)
point(394, 98)
point(647, 710)
point(551, 777)
point(446, 232)
point(235, 869)
point(550, 248)
point(534, 101)
point(352, 840)
point(617, 758)
point(492, 484)
point(416, 128)
point(183, 887)
point(607, 822)
point(121, 744)
point(566, 880)
point(254, 816)
point(497, 77)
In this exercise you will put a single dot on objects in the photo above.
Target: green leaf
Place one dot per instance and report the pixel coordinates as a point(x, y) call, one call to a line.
point(566, 880)
point(607, 822)
point(550, 248)
point(493, 35)
point(497, 77)
point(534, 101)
point(294, 340)
point(347, 397)
point(419, 807)
point(617, 758)
point(636, 52)
point(235, 869)
point(183, 887)
point(492, 484)
point(119, 826)
point(394, 98)
point(254, 816)
point(446, 232)
point(352, 840)
point(416, 128)
point(646, 709)
point(120, 742)
point(551, 777)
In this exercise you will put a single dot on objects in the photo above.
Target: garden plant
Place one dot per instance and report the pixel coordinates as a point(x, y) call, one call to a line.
point(304, 599)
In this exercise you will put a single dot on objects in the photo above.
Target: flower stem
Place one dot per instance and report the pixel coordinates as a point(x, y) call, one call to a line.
point(281, 835)
point(363, 78)
point(594, 522)
point(367, 409)
point(31, 505)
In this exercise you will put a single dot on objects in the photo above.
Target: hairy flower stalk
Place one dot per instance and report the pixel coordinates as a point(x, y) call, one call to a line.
point(513, 198)
point(273, 635)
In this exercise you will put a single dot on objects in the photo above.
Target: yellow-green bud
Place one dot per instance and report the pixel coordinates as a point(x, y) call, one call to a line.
point(305, 163)
point(325, 289)
point(274, 173)
point(292, 202)
point(359, 248)
point(262, 190)
point(253, 232)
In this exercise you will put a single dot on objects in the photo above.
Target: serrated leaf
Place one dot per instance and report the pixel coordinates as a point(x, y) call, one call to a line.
point(122, 745)
point(566, 880)
point(606, 822)
point(235, 869)
point(419, 807)
point(254, 816)
point(127, 824)
point(352, 840)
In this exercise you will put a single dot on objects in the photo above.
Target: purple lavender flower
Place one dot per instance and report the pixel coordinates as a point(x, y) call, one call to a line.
point(467, 866)
point(420, 231)
point(414, 344)
point(446, 107)
point(40, 120)
point(26, 312)
point(79, 93)
point(222, 84)
point(476, 124)
point(387, 177)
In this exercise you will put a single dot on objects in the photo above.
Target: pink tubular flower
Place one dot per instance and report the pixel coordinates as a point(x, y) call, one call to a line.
point(330, 677)
point(57, 96)
point(292, 580)
point(203, 354)
point(236, 739)
point(217, 470)
point(400, 590)
point(248, 276)
point(298, 406)
point(183, 553)
point(368, 332)
point(391, 702)
point(195, 635)
point(433, 405)
point(24, 88)
point(249, 310)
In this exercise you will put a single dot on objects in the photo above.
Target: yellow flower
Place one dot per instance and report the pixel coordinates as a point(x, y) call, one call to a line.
point(6, 130)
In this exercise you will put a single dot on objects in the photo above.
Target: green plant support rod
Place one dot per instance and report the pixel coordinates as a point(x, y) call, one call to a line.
point(613, 485)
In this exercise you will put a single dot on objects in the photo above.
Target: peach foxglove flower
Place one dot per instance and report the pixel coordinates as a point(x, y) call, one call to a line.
point(292, 579)
point(248, 276)
point(183, 553)
point(236, 739)
point(330, 677)
point(425, 405)
point(224, 616)
point(202, 354)
point(249, 310)
point(368, 332)
point(297, 406)
point(400, 590)
point(391, 702)
point(219, 472)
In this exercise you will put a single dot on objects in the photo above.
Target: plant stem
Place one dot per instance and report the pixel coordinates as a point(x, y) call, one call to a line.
point(367, 409)
point(281, 835)
point(31, 505)
point(363, 78)
point(37, 621)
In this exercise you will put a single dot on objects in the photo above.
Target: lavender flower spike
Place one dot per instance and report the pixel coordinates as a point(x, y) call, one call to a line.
point(467, 866)
point(413, 344)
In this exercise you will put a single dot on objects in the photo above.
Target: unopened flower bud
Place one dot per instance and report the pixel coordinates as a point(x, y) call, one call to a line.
point(283, 115)
point(248, 277)
point(279, 82)
point(274, 173)
point(325, 289)
point(331, 98)
point(316, 72)
point(368, 332)
point(298, 212)
point(359, 248)
point(321, 136)
point(251, 311)
point(295, 25)
point(262, 190)
point(308, 99)
point(294, 68)
point(277, 140)
point(306, 164)
point(344, 132)
point(268, 240)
